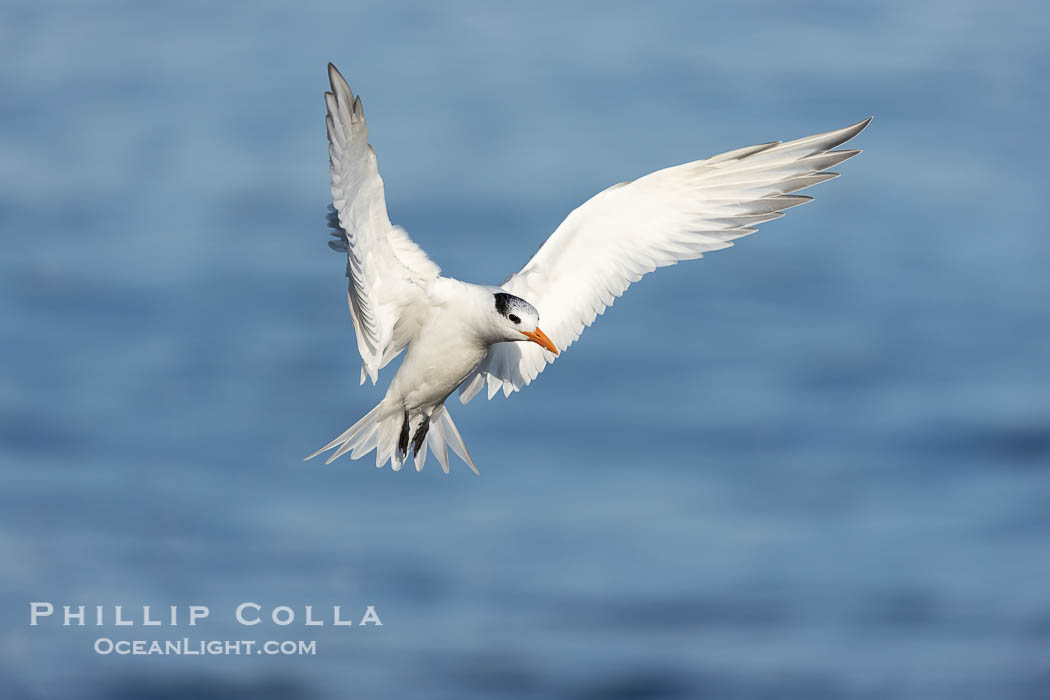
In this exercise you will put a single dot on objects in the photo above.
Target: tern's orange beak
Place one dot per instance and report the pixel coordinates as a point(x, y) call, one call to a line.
point(541, 339)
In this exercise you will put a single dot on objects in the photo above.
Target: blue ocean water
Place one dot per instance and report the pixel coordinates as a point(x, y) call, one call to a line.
point(816, 465)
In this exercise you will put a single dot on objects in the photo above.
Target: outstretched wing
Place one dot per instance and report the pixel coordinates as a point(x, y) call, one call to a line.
point(387, 271)
point(631, 229)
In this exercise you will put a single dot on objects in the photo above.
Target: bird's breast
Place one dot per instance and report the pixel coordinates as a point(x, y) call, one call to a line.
point(442, 355)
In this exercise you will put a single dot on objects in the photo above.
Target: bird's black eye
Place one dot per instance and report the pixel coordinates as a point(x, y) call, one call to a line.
point(514, 318)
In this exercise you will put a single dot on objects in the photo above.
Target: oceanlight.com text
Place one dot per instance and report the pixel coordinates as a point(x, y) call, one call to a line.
point(204, 647)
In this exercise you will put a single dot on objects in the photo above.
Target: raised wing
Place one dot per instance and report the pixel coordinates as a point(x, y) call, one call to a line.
point(631, 229)
point(387, 271)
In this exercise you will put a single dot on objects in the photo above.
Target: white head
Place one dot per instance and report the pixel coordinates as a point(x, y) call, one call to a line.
point(515, 319)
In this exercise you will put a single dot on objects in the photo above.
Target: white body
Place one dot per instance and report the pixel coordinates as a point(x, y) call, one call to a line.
point(445, 350)
point(446, 340)
point(456, 334)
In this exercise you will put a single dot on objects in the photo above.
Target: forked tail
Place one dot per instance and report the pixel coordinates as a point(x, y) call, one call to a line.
point(392, 433)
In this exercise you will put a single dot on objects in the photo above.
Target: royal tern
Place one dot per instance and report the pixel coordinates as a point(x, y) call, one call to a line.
point(471, 336)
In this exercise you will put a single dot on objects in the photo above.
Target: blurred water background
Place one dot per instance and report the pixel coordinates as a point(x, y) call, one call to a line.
point(814, 466)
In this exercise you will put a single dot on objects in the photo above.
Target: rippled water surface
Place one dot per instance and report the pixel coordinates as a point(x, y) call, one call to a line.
point(814, 466)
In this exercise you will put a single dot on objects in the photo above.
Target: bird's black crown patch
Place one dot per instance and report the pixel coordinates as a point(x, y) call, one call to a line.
point(504, 302)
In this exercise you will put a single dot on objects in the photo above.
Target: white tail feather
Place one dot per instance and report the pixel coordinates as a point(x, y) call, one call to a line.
point(444, 426)
point(380, 430)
